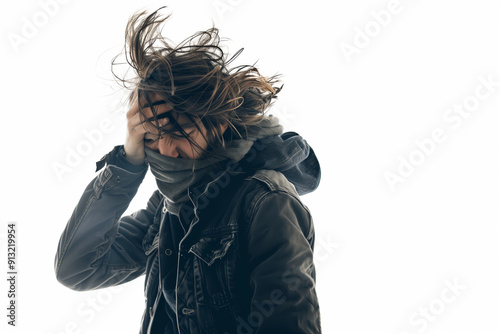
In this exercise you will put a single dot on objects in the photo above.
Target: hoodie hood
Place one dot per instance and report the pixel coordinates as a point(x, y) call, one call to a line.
point(289, 154)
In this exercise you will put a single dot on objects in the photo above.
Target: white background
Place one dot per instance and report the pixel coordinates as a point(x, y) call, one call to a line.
point(383, 255)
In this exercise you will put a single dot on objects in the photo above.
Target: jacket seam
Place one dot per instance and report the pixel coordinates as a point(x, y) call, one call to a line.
point(273, 186)
point(77, 225)
point(263, 194)
point(266, 195)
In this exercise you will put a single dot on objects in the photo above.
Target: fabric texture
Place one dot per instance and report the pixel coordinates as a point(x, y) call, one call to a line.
point(175, 175)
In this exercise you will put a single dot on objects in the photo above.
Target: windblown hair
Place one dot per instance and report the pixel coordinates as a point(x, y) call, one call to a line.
point(195, 79)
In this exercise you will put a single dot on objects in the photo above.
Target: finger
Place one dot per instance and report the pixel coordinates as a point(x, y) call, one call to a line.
point(137, 127)
point(153, 128)
point(160, 108)
point(134, 107)
point(136, 120)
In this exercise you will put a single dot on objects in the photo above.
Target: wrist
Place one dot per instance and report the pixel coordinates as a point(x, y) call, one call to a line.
point(134, 160)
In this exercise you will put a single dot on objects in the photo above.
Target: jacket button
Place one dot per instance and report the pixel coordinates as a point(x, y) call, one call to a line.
point(168, 251)
point(187, 311)
point(151, 311)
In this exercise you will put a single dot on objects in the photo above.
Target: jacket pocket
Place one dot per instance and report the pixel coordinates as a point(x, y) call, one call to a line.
point(209, 249)
point(214, 269)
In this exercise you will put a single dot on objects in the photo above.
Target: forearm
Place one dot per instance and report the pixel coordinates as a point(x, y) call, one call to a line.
point(96, 249)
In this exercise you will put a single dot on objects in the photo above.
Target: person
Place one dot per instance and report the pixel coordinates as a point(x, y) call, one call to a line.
point(225, 243)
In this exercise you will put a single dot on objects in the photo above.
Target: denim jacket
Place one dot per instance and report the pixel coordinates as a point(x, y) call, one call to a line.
point(243, 262)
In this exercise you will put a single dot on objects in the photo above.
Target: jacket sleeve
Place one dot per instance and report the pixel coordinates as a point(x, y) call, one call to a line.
point(282, 272)
point(97, 248)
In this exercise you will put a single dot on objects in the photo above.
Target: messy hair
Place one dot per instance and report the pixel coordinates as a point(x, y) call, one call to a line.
point(194, 78)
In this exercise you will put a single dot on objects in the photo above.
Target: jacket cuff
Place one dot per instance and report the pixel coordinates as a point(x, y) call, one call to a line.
point(119, 172)
point(117, 157)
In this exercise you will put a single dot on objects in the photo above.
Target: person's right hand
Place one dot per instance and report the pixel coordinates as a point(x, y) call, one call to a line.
point(134, 142)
